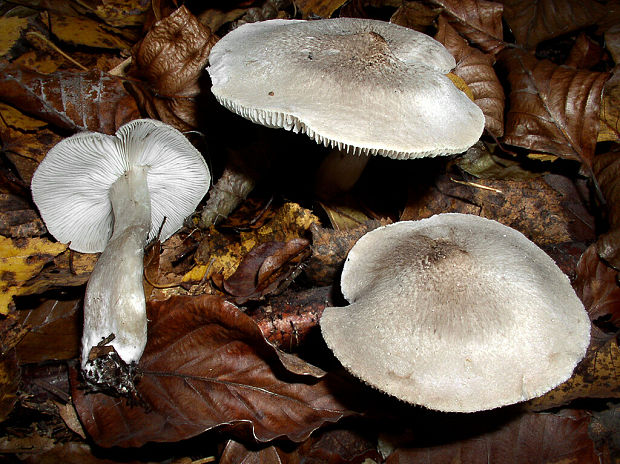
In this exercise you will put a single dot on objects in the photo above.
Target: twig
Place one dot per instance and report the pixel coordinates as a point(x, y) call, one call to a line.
point(54, 47)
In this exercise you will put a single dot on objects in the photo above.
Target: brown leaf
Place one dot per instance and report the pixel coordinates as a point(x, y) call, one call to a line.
point(585, 53)
point(126, 13)
point(67, 99)
point(612, 42)
point(287, 320)
point(529, 438)
point(596, 376)
point(55, 329)
point(415, 15)
point(9, 381)
point(533, 21)
point(597, 287)
point(478, 20)
point(322, 8)
point(207, 364)
point(476, 69)
point(18, 218)
point(609, 130)
point(171, 58)
point(606, 169)
point(81, 30)
point(553, 109)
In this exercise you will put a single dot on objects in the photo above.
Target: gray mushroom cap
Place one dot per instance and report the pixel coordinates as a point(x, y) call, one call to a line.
point(456, 313)
point(71, 185)
point(364, 86)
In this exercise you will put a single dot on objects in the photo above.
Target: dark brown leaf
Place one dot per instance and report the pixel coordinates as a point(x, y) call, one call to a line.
point(287, 320)
point(585, 53)
point(18, 218)
point(9, 380)
point(206, 365)
point(70, 100)
point(533, 21)
point(540, 438)
point(553, 109)
point(606, 169)
point(478, 20)
point(415, 15)
point(476, 69)
point(597, 287)
point(322, 8)
point(54, 331)
point(171, 58)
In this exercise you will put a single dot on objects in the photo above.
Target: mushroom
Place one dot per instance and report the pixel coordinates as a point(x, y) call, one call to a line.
point(456, 313)
point(365, 87)
point(112, 194)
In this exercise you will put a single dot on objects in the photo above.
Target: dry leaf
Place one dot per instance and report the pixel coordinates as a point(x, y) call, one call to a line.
point(553, 109)
point(585, 53)
point(9, 381)
point(478, 20)
point(529, 438)
point(533, 21)
point(171, 58)
point(13, 29)
point(21, 260)
point(322, 8)
point(415, 15)
point(73, 101)
point(17, 218)
point(476, 69)
point(207, 364)
point(609, 130)
point(81, 30)
point(612, 42)
point(122, 13)
point(606, 169)
point(597, 287)
point(596, 376)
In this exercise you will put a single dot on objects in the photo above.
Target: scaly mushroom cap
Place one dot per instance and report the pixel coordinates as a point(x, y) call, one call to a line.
point(456, 313)
point(70, 187)
point(364, 86)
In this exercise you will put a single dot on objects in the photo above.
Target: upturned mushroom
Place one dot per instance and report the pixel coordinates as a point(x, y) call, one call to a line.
point(456, 313)
point(365, 87)
point(112, 194)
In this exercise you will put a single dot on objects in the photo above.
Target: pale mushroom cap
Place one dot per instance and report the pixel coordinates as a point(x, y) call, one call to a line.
point(70, 186)
point(364, 86)
point(456, 313)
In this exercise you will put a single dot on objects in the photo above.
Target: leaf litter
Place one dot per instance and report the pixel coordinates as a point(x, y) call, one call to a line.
point(234, 353)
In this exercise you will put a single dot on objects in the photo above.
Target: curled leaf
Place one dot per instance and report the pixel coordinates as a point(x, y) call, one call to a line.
point(553, 109)
point(206, 365)
point(476, 69)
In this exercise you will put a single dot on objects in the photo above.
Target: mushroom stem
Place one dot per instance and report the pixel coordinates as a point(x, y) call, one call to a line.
point(338, 173)
point(115, 303)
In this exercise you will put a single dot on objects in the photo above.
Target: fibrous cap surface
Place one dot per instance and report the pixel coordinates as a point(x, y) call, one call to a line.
point(456, 313)
point(70, 187)
point(364, 86)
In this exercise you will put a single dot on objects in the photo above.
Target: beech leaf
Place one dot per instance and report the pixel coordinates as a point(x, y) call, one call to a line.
point(478, 20)
point(70, 100)
point(207, 364)
point(606, 169)
point(476, 69)
point(533, 21)
point(553, 109)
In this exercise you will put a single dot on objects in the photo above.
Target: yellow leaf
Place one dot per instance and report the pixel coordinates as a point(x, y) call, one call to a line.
point(21, 260)
point(122, 13)
point(39, 61)
point(18, 120)
point(12, 29)
point(461, 85)
point(223, 257)
point(322, 8)
point(84, 31)
point(542, 156)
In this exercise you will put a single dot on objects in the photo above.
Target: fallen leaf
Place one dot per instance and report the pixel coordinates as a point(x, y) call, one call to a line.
point(122, 13)
point(287, 320)
point(206, 365)
point(476, 69)
point(69, 100)
point(13, 29)
point(533, 21)
point(81, 30)
point(542, 438)
point(55, 330)
point(596, 376)
point(597, 286)
point(20, 260)
point(415, 15)
point(609, 130)
point(75, 453)
point(17, 218)
point(321, 8)
point(585, 53)
point(9, 381)
point(612, 42)
point(604, 430)
point(553, 109)
point(478, 20)
point(606, 169)
point(170, 59)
